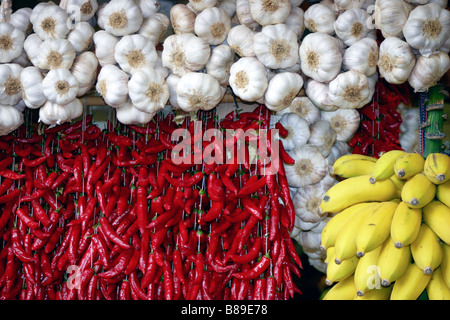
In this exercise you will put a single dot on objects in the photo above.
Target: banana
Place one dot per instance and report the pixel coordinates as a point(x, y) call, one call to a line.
point(405, 225)
point(366, 276)
point(343, 290)
point(399, 183)
point(353, 156)
point(376, 294)
point(335, 224)
point(443, 193)
point(392, 262)
point(437, 168)
point(338, 272)
point(437, 289)
point(345, 244)
point(408, 165)
point(375, 228)
point(384, 167)
point(437, 216)
point(329, 255)
point(426, 250)
point(352, 168)
point(418, 191)
point(356, 190)
point(445, 264)
point(411, 284)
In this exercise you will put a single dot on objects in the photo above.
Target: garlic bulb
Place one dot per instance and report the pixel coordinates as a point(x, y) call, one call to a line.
point(295, 21)
point(305, 108)
point(361, 56)
point(396, 60)
point(307, 203)
point(127, 114)
point(155, 27)
point(244, 15)
point(84, 69)
point(21, 20)
point(320, 56)
point(339, 149)
point(148, 90)
point(266, 12)
point(212, 24)
point(81, 36)
point(134, 52)
point(229, 6)
point(310, 166)
point(172, 81)
point(282, 89)
point(219, 63)
point(428, 71)
point(427, 28)
point(105, 44)
point(52, 22)
point(55, 54)
point(248, 78)
point(349, 90)
point(318, 93)
point(55, 114)
point(184, 53)
point(298, 131)
point(349, 4)
point(319, 18)
point(240, 39)
point(112, 84)
point(99, 13)
point(86, 9)
point(37, 10)
point(32, 93)
point(60, 86)
point(344, 121)
point(200, 5)
point(322, 137)
point(10, 85)
point(351, 25)
point(390, 16)
point(198, 91)
point(276, 46)
point(182, 18)
point(121, 17)
point(11, 42)
point(10, 119)
point(148, 7)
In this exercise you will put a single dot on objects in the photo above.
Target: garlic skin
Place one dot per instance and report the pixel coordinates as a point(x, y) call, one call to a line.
point(282, 89)
point(396, 60)
point(52, 22)
point(298, 131)
point(84, 69)
point(351, 25)
point(155, 27)
point(55, 114)
point(148, 7)
point(105, 44)
point(266, 12)
point(182, 18)
point(198, 91)
point(172, 81)
point(248, 78)
point(20, 19)
point(185, 53)
point(344, 121)
point(200, 5)
point(390, 16)
point(148, 90)
point(10, 85)
point(121, 17)
point(427, 28)
point(318, 93)
point(81, 36)
point(428, 71)
point(244, 15)
point(307, 204)
point(320, 56)
point(10, 119)
point(241, 39)
point(55, 54)
point(349, 90)
point(127, 114)
point(32, 92)
point(319, 18)
point(60, 86)
point(322, 137)
point(112, 84)
point(212, 25)
point(361, 56)
point(219, 63)
point(295, 21)
point(86, 9)
point(305, 108)
point(134, 52)
point(11, 42)
point(276, 46)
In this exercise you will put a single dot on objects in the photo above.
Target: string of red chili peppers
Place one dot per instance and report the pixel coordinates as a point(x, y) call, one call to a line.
point(91, 214)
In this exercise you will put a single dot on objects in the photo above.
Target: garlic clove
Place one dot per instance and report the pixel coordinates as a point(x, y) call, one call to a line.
point(282, 89)
point(112, 84)
point(84, 69)
point(248, 78)
point(344, 121)
point(212, 24)
point(134, 52)
point(10, 85)
point(32, 92)
point(318, 93)
point(295, 21)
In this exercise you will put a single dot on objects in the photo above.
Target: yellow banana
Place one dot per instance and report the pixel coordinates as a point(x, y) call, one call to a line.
point(335, 224)
point(343, 290)
point(384, 167)
point(408, 165)
point(352, 168)
point(445, 264)
point(437, 168)
point(375, 228)
point(353, 156)
point(437, 216)
point(399, 183)
point(437, 289)
point(366, 276)
point(405, 225)
point(376, 294)
point(411, 284)
point(338, 272)
point(356, 190)
point(392, 262)
point(443, 193)
point(345, 244)
point(426, 250)
point(418, 191)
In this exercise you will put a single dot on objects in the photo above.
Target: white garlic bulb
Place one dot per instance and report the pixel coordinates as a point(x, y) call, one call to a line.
point(349, 4)
point(219, 63)
point(244, 15)
point(21, 19)
point(112, 84)
point(182, 18)
point(121, 17)
point(105, 44)
point(55, 54)
point(32, 94)
point(10, 85)
point(248, 78)
point(11, 42)
point(52, 22)
point(81, 36)
point(155, 27)
point(148, 7)
point(85, 9)
point(148, 90)
point(84, 69)
point(390, 16)
point(298, 131)
point(276, 46)
point(349, 90)
point(172, 81)
point(320, 56)
point(318, 93)
point(362, 56)
point(134, 52)
point(322, 137)
point(295, 21)
point(396, 60)
point(344, 121)
point(307, 203)
point(184, 53)
point(38, 8)
point(282, 89)
point(266, 12)
point(428, 71)
point(10, 119)
point(319, 18)
point(60, 86)
point(31, 47)
point(351, 25)
point(427, 28)
point(127, 114)
point(200, 5)
point(55, 114)
point(240, 39)
point(212, 24)
point(305, 108)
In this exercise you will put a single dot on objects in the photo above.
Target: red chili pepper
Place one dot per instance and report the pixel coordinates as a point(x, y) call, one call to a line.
point(252, 186)
point(142, 209)
point(22, 213)
point(256, 271)
point(252, 253)
point(112, 234)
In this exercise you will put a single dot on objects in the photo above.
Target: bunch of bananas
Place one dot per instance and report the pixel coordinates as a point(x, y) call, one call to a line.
point(389, 235)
